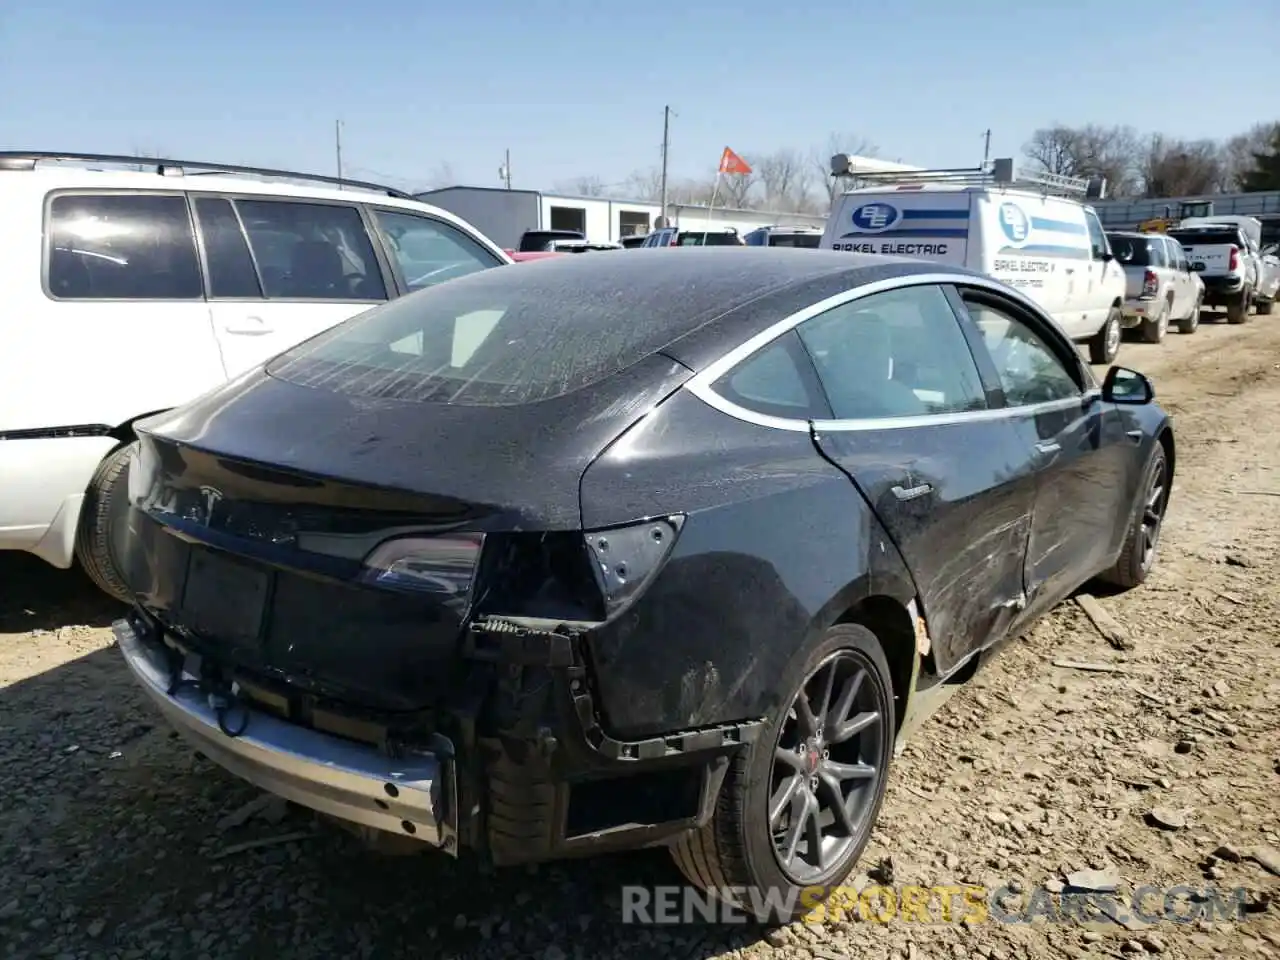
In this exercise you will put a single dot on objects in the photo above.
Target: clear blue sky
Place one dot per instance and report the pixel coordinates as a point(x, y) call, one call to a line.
point(577, 88)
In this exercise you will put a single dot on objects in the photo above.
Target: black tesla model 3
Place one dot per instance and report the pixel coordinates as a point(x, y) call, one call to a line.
point(605, 552)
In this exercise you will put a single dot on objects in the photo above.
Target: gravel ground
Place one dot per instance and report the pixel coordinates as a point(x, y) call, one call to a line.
point(1161, 769)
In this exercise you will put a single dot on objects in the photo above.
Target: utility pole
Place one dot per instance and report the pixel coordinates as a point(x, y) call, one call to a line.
point(666, 142)
point(337, 146)
point(504, 172)
point(986, 149)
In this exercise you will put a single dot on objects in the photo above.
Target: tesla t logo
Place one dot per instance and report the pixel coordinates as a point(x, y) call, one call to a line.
point(212, 497)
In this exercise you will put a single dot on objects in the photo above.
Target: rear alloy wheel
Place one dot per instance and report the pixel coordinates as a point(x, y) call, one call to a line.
point(1154, 328)
point(1105, 344)
point(797, 807)
point(105, 503)
point(1191, 322)
point(1138, 555)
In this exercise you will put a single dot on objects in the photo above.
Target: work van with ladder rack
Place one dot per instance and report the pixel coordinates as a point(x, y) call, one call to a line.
point(1033, 232)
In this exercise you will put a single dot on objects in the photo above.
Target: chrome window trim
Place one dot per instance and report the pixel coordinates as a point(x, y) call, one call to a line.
point(701, 383)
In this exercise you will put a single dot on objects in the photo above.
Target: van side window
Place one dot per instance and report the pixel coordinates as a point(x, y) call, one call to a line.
point(122, 247)
point(311, 251)
point(1097, 237)
point(231, 271)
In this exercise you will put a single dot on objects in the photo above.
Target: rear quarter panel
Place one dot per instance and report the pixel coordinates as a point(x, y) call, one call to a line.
point(777, 544)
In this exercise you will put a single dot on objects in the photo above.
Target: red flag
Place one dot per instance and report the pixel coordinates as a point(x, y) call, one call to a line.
point(730, 162)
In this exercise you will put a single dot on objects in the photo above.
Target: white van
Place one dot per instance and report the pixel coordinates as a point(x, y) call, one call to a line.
point(1032, 233)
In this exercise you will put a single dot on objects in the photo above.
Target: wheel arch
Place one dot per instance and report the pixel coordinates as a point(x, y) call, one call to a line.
point(895, 627)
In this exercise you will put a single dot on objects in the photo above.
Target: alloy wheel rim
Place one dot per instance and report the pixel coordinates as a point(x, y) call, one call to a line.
point(1152, 517)
point(826, 767)
point(1113, 337)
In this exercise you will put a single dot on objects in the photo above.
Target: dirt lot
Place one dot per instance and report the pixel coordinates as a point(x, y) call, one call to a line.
point(112, 845)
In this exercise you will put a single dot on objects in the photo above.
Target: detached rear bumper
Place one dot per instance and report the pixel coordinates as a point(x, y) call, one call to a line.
point(339, 777)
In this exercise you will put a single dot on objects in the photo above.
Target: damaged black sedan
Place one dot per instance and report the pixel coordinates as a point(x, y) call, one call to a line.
point(621, 551)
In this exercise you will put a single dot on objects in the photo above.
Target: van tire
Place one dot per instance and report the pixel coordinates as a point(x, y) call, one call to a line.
point(1154, 328)
point(1238, 311)
point(1105, 344)
point(104, 501)
point(1265, 307)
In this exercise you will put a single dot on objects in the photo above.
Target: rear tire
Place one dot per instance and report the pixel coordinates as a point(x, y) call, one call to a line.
point(1238, 311)
point(1190, 323)
point(105, 501)
point(1105, 344)
point(1146, 520)
point(1154, 328)
point(1265, 307)
point(738, 848)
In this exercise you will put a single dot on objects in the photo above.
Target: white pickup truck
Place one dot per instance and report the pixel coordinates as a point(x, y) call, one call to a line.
point(1224, 251)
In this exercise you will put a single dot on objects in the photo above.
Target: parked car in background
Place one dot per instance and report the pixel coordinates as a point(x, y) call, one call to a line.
point(423, 572)
point(1226, 256)
point(1033, 232)
point(542, 241)
point(635, 240)
point(1269, 285)
point(1160, 286)
point(675, 237)
point(784, 236)
point(131, 285)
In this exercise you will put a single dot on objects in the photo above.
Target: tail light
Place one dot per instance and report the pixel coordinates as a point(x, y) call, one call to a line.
point(628, 558)
point(1150, 283)
point(443, 566)
point(1234, 262)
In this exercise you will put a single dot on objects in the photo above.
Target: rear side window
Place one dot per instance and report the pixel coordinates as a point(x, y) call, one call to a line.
point(122, 247)
point(776, 380)
point(311, 251)
point(231, 272)
point(428, 252)
point(494, 338)
point(895, 354)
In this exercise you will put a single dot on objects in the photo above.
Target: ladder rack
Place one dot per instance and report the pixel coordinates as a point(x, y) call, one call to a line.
point(27, 160)
point(1000, 173)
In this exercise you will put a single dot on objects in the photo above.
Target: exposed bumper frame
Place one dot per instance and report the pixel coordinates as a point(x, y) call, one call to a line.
point(413, 796)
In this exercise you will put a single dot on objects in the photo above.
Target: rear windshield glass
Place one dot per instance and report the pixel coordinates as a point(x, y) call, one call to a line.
point(496, 337)
point(1134, 251)
point(1198, 238)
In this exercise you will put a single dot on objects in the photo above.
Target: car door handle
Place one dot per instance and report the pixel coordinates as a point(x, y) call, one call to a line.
point(254, 327)
point(1048, 446)
point(912, 493)
point(1134, 435)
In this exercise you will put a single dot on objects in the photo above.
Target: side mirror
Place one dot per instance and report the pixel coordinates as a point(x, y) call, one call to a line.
point(1126, 386)
point(1108, 257)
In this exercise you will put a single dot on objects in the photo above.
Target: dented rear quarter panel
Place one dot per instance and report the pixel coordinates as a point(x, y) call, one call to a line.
point(777, 545)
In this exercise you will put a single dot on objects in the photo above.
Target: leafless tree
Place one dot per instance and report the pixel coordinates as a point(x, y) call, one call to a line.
point(1089, 151)
point(587, 186)
point(441, 176)
point(778, 174)
point(1173, 168)
point(1239, 153)
point(820, 163)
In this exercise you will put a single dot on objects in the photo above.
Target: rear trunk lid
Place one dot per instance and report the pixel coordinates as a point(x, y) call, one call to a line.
point(257, 511)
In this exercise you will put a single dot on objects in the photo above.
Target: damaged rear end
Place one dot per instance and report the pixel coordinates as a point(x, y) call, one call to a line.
point(368, 590)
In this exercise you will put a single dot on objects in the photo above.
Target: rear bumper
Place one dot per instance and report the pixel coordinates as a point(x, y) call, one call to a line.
point(1221, 290)
point(1135, 310)
point(410, 795)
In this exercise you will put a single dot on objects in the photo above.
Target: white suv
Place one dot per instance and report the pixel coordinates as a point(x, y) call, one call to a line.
point(129, 291)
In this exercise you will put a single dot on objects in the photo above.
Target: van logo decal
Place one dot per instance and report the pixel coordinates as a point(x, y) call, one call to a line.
point(875, 217)
point(1014, 222)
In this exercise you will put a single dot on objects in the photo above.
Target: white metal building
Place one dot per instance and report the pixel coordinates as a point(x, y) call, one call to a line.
point(503, 215)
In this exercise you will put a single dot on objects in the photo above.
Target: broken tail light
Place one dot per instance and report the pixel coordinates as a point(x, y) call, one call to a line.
point(626, 559)
point(440, 566)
